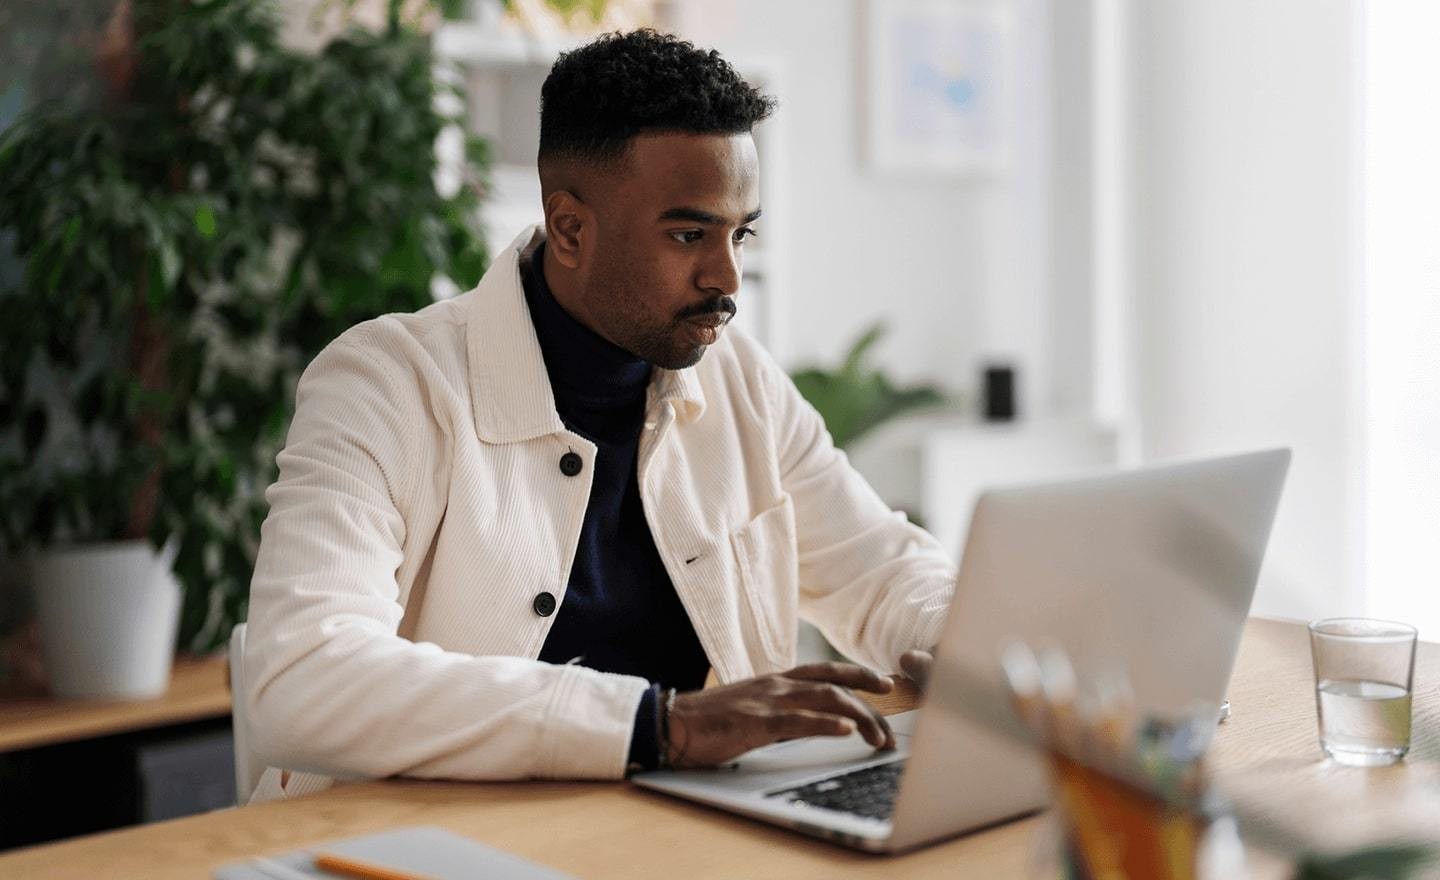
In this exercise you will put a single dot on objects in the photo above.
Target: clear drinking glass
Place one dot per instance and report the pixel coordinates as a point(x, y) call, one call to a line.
point(1364, 670)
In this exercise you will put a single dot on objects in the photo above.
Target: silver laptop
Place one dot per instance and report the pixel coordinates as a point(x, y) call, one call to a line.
point(1149, 572)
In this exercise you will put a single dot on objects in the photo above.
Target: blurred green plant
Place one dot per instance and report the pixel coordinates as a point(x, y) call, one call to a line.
point(855, 399)
point(189, 244)
point(1376, 863)
point(568, 8)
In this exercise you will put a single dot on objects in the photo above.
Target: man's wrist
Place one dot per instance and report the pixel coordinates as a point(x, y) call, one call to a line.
point(644, 740)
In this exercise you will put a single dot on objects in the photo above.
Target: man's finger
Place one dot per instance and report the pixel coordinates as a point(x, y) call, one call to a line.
point(916, 664)
point(795, 723)
point(839, 700)
point(847, 674)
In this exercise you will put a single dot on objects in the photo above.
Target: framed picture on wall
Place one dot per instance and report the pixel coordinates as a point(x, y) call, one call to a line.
point(936, 90)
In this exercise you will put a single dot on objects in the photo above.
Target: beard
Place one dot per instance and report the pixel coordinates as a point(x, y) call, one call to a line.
point(667, 341)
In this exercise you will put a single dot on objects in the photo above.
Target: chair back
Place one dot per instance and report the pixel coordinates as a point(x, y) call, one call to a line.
point(247, 766)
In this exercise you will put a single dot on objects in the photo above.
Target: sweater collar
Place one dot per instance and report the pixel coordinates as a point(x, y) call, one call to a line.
point(509, 386)
point(581, 363)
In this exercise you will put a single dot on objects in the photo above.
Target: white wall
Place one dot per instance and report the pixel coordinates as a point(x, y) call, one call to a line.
point(1245, 305)
point(1072, 111)
point(959, 268)
point(1402, 285)
point(1234, 153)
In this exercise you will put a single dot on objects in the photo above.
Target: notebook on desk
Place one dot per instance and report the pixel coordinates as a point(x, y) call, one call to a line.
point(430, 852)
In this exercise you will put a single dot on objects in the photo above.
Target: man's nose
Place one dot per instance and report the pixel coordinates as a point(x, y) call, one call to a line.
point(720, 273)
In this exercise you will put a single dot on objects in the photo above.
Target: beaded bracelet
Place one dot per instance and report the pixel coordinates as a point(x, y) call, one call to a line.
point(662, 724)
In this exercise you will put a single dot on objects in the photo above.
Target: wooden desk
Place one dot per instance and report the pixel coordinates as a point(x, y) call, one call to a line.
point(601, 830)
point(198, 691)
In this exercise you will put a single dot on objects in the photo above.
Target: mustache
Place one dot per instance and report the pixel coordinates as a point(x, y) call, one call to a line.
point(719, 305)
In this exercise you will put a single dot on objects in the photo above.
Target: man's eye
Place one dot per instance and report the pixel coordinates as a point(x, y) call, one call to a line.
point(743, 233)
point(687, 236)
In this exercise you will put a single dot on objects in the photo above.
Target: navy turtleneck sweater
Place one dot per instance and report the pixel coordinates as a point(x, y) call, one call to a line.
point(621, 613)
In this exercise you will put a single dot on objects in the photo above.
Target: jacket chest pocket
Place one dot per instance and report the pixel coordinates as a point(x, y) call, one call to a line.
point(765, 556)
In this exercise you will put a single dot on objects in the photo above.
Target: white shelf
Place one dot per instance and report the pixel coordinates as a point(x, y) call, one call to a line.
point(936, 463)
point(473, 44)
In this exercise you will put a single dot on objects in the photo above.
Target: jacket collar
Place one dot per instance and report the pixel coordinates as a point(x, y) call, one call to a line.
point(509, 386)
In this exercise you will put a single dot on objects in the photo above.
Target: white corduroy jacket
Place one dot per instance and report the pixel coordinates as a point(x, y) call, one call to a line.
point(421, 508)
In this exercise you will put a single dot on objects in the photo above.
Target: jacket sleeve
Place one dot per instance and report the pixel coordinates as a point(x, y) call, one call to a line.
point(330, 686)
point(873, 583)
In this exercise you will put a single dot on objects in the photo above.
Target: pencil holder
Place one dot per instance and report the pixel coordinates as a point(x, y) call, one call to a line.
point(1132, 798)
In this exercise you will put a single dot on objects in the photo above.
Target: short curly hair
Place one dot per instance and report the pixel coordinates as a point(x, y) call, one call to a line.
point(606, 92)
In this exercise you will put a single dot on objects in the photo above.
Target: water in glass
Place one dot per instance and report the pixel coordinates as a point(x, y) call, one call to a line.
point(1364, 723)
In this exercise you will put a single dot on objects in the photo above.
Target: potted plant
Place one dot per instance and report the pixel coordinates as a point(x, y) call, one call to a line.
point(190, 239)
point(855, 399)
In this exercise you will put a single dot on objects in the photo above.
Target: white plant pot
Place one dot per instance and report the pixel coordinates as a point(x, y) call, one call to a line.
point(108, 614)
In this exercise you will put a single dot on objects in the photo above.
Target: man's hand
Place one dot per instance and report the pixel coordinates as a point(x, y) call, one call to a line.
point(711, 726)
point(916, 664)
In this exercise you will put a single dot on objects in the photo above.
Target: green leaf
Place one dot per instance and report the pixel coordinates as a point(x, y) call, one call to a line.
point(205, 221)
point(165, 273)
point(861, 347)
point(72, 234)
point(451, 10)
point(52, 278)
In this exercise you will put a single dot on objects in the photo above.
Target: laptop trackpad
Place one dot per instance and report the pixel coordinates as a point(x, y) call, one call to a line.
point(786, 763)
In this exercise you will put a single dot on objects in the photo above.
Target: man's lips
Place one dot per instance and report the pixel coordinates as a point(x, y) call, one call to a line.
point(713, 319)
point(705, 329)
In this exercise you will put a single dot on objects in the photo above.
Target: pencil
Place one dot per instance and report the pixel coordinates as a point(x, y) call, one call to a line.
point(349, 867)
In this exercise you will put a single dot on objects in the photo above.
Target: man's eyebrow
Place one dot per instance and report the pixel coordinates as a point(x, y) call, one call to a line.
point(695, 215)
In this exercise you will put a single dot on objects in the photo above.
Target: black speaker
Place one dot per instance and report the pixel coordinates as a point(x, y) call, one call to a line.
point(999, 394)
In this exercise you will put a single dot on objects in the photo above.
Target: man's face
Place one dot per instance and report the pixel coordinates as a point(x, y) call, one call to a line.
point(671, 234)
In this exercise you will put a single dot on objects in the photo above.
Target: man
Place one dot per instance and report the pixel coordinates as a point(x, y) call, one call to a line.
point(514, 531)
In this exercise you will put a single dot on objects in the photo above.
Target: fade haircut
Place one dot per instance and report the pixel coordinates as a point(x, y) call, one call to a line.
point(606, 92)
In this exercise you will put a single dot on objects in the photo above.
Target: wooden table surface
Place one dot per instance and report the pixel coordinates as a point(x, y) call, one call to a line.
point(198, 691)
point(1267, 752)
point(1268, 761)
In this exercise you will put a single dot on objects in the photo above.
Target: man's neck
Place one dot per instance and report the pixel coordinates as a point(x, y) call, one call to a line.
point(564, 286)
point(578, 359)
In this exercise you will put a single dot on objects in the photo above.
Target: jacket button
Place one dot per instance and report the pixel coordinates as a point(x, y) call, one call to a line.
point(570, 464)
point(545, 604)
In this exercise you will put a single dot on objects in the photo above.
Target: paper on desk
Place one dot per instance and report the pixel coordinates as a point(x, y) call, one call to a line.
point(433, 852)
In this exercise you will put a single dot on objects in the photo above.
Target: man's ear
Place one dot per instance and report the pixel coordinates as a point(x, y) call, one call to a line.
point(569, 226)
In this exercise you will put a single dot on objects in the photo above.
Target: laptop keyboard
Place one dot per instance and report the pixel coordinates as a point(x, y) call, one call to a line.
point(868, 792)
